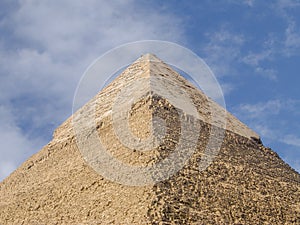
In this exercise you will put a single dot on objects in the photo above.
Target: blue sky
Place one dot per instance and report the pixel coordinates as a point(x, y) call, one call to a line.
point(253, 48)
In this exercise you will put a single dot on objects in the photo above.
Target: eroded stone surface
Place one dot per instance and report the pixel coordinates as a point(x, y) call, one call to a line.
point(247, 183)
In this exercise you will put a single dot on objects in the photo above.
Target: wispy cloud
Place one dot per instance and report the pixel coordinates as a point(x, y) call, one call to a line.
point(273, 120)
point(222, 50)
point(224, 53)
point(268, 73)
point(291, 41)
point(291, 139)
point(264, 129)
point(45, 46)
point(255, 59)
point(249, 2)
point(15, 145)
point(268, 119)
point(245, 2)
point(260, 110)
point(277, 44)
point(267, 54)
point(285, 4)
point(292, 38)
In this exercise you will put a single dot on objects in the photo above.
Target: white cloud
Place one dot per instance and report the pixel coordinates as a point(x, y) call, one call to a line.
point(264, 130)
point(283, 4)
point(291, 139)
point(292, 39)
point(227, 88)
point(245, 2)
point(45, 48)
point(268, 73)
point(291, 42)
point(249, 2)
point(283, 43)
point(222, 50)
point(261, 109)
point(269, 119)
point(254, 59)
point(15, 146)
point(73, 29)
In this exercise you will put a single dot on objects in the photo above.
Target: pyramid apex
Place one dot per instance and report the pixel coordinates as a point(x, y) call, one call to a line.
point(149, 57)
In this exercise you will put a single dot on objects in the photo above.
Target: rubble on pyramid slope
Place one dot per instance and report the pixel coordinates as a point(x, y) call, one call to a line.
point(246, 184)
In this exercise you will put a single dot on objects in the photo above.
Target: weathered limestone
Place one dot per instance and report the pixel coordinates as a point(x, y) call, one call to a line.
point(247, 183)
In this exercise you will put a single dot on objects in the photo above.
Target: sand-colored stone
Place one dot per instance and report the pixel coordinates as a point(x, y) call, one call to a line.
point(246, 184)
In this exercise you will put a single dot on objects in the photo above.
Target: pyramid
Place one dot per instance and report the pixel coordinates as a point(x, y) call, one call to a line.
point(147, 115)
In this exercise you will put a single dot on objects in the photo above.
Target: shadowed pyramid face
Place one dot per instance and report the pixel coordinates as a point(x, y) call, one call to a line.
point(162, 135)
